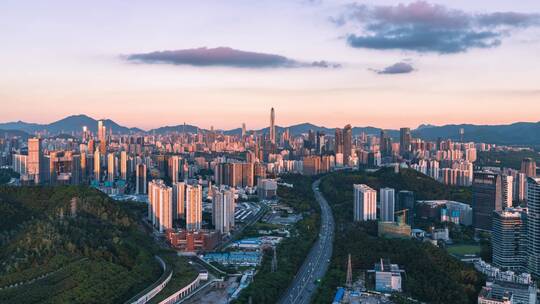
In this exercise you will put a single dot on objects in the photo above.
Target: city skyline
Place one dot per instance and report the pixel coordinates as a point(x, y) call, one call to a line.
point(148, 66)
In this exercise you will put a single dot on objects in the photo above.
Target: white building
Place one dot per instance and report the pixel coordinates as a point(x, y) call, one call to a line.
point(365, 203)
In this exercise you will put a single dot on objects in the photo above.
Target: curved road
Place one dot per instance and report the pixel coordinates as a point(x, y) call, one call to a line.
point(316, 263)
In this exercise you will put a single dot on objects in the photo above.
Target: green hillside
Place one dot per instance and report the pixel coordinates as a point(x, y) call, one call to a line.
point(71, 245)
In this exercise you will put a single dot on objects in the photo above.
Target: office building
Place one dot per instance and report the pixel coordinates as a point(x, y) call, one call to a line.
point(487, 198)
point(507, 184)
point(405, 201)
point(365, 203)
point(533, 226)
point(193, 207)
point(387, 204)
point(509, 239)
point(405, 139)
point(160, 212)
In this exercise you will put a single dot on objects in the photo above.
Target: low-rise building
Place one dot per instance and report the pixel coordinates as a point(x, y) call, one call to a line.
point(387, 276)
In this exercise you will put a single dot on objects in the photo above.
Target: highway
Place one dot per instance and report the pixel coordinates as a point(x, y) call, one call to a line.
point(316, 263)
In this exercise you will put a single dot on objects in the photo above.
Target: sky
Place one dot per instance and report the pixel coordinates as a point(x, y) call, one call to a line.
point(223, 63)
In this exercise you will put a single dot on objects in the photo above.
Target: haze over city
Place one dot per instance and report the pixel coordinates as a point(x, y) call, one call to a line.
point(325, 62)
point(270, 152)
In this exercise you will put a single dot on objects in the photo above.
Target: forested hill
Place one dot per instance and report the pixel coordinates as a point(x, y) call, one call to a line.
point(71, 245)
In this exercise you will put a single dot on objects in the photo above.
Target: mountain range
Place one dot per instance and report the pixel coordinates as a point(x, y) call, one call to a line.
point(520, 133)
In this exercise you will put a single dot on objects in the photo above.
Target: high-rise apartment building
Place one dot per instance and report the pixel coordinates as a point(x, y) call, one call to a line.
point(35, 161)
point(193, 207)
point(235, 174)
point(528, 166)
point(111, 167)
point(487, 198)
point(179, 201)
point(123, 165)
point(347, 144)
point(387, 200)
point(509, 239)
point(175, 164)
point(365, 203)
point(160, 211)
point(533, 226)
point(223, 209)
point(140, 179)
point(97, 165)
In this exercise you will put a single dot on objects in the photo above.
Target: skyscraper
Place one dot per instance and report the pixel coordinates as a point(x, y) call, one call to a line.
point(528, 166)
point(487, 198)
point(347, 144)
point(405, 140)
point(533, 225)
point(102, 136)
point(385, 143)
point(387, 197)
point(509, 239)
point(140, 179)
point(193, 207)
point(365, 203)
point(272, 126)
point(35, 164)
point(160, 205)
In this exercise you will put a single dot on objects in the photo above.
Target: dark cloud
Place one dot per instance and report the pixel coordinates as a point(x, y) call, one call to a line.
point(425, 27)
point(396, 68)
point(223, 56)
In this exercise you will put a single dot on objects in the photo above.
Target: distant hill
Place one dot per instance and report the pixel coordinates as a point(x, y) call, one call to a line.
point(177, 128)
point(68, 125)
point(521, 133)
point(13, 133)
point(56, 251)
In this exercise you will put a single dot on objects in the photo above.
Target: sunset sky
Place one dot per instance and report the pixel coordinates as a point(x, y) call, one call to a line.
point(381, 63)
